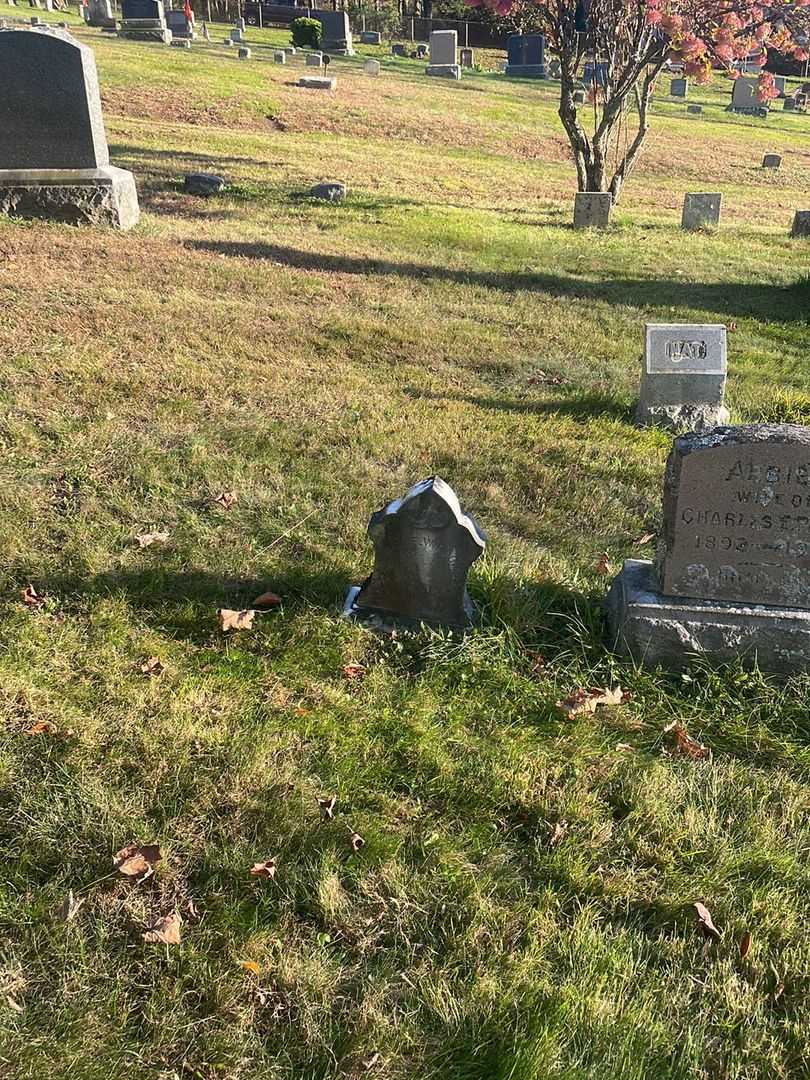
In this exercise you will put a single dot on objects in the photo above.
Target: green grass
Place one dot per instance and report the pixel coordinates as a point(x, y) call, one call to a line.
point(317, 360)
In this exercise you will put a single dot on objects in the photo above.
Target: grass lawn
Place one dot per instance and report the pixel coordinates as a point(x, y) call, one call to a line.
point(522, 906)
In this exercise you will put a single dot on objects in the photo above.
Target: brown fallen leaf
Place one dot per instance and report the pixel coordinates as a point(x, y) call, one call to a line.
point(31, 598)
point(145, 540)
point(745, 944)
point(235, 620)
point(706, 923)
point(13, 1004)
point(357, 841)
point(166, 930)
point(587, 701)
point(354, 671)
point(603, 564)
point(226, 499)
point(326, 805)
point(250, 966)
point(684, 743)
point(69, 908)
point(266, 600)
point(732, 326)
point(537, 659)
point(557, 834)
point(152, 667)
point(266, 869)
point(645, 539)
point(137, 860)
point(42, 727)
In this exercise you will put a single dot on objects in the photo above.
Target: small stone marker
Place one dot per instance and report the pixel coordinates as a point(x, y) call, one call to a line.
point(771, 161)
point(331, 191)
point(371, 67)
point(700, 209)
point(678, 87)
point(370, 37)
point(424, 545)
point(181, 43)
point(99, 13)
point(244, 53)
point(694, 110)
point(290, 50)
point(683, 376)
point(336, 34)
point(592, 209)
point(203, 183)
point(779, 83)
point(443, 49)
point(316, 82)
point(314, 60)
point(52, 141)
point(466, 58)
point(398, 50)
point(227, 41)
point(579, 97)
point(801, 223)
point(732, 578)
point(279, 57)
point(525, 56)
point(237, 35)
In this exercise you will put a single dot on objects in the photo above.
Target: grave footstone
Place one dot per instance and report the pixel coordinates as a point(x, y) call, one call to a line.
point(53, 147)
point(203, 184)
point(731, 580)
point(443, 49)
point(336, 34)
point(315, 82)
point(370, 37)
point(424, 546)
point(678, 88)
point(801, 223)
point(314, 60)
point(694, 110)
point(592, 209)
point(331, 191)
point(180, 43)
point(244, 53)
point(579, 98)
point(700, 209)
point(466, 58)
point(771, 161)
point(279, 57)
point(683, 376)
point(371, 67)
point(144, 20)
point(524, 56)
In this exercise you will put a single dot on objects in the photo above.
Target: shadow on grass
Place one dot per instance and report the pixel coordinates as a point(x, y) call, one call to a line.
point(786, 303)
point(580, 406)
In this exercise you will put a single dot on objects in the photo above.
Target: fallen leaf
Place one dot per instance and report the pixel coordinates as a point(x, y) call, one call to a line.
point(684, 743)
point(266, 869)
point(235, 620)
point(226, 499)
point(645, 539)
point(266, 600)
point(43, 727)
point(326, 805)
point(587, 701)
point(537, 659)
point(357, 841)
point(705, 922)
point(152, 667)
point(191, 908)
point(145, 540)
point(623, 746)
point(13, 1005)
point(354, 671)
point(557, 834)
point(732, 326)
point(603, 564)
point(137, 860)
point(251, 966)
point(69, 908)
point(31, 597)
point(745, 945)
point(165, 930)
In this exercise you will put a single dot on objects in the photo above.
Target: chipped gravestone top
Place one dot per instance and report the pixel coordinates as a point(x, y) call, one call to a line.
point(683, 376)
point(737, 516)
point(50, 108)
point(424, 545)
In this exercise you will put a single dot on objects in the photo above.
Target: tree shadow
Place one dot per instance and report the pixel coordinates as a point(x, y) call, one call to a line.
point(789, 303)
point(578, 405)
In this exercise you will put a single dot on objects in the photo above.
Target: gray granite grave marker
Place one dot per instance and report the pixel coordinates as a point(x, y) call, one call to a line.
point(679, 88)
point(443, 48)
point(144, 20)
point(683, 376)
point(700, 209)
point(371, 67)
point(424, 545)
point(771, 161)
point(370, 37)
point(336, 34)
point(317, 82)
point(314, 59)
point(592, 209)
point(525, 56)
point(801, 223)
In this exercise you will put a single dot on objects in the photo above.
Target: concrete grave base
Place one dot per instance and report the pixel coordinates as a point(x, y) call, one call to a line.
point(143, 34)
point(386, 622)
point(668, 631)
point(525, 71)
point(105, 196)
point(689, 417)
point(444, 71)
point(313, 82)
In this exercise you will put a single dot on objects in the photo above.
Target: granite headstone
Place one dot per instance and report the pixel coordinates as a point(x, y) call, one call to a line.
point(443, 50)
point(592, 209)
point(700, 209)
point(525, 56)
point(683, 376)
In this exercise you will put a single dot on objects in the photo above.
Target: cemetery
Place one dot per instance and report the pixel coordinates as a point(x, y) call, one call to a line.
point(405, 607)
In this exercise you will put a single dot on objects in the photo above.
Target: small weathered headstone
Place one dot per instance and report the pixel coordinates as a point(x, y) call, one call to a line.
point(279, 57)
point(801, 223)
point(789, 104)
point(592, 209)
point(554, 69)
point(694, 110)
point(466, 58)
point(771, 161)
point(578, 97)
point(244, 53)
point(443, 50)
point(370, 37)
point(316, 82)
point(732, 576)
point(180, 43)
point(35, 20)
point(678, 87)
point(237, 35)
point(683, 376)
point(398, 50)
point(371, 67)
point(421, 51)
point(314, 59)
point(331, 191)
point(290, 50)
point(227, 41)
point(424, 546)
point(525, 56)
point(700, 209)
point(203, 183)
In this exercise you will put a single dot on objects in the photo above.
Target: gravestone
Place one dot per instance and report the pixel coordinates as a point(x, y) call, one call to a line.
point(554, 69)
point(678, 87)
point(683, 376)
point(592, 209)
point(180, 43)
point(53, 147)
point(371, 67)
point(336, 34)
point(779, 83)
point(181, 27)
point(314, 59)
point(771, 161)
point(595, 73)
point(731, 579)
point(466, 58)
point(578, 97)
point(744, 98)
point(801, 223)
point(700, 209)
point(424, 546)
point(99, 13)
point(421, 51)
point(443, 48)
point(370, 37)
point(205, 32)
point(398, 50)
point(244, 53)
point(203, 184)
point(524, 56)
point(237, 35)
point(240, 24)
point(279, 57)
point(144, 20)
point(317, 82)
point(694, 110)
point(789, 105)
point(330, 191)
point(227, 41)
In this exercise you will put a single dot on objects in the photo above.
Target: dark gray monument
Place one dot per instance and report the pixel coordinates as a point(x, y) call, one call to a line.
point(144, 20)
point(181, 27)
point(336, 34)
point(424, 545)
point(99, 13)
point(524, 53)
point(54, 161)
point(732, 574)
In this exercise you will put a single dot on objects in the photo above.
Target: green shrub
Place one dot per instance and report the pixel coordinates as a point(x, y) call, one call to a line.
point(306, 33)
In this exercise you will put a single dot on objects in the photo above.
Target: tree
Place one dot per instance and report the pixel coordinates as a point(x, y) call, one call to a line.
point(629, 42)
